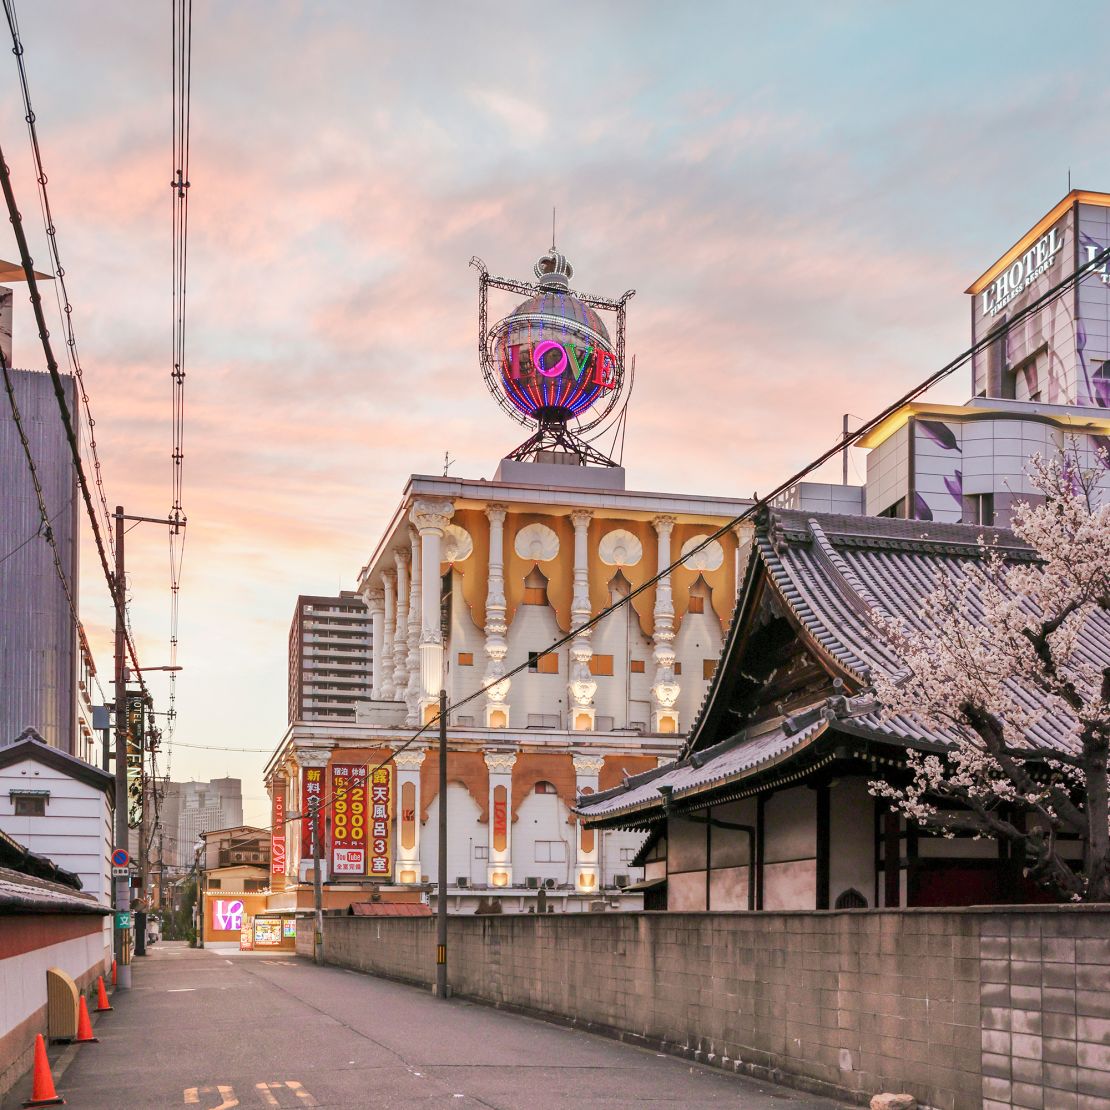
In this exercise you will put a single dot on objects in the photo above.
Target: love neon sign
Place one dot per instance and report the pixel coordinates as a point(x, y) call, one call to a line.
point(551, 359)
point(227, 915)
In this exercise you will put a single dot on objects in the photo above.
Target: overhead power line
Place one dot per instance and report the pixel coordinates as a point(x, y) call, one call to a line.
point(760, 503)
point(115, 588)
point(181, 119)
point(65, 309)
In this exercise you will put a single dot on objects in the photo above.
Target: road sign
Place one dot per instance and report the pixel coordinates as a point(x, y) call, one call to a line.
point(121, 857)
point(123, 919)
point(121, 872)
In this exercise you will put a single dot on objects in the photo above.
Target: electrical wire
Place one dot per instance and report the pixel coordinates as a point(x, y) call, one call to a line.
point(758, 504)
point(115, 589)
point(65, 309)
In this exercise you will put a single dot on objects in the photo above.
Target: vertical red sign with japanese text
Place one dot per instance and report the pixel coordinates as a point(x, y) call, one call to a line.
point(381, 791)
point(312, 788)
point(348, 821)
point(277, 830)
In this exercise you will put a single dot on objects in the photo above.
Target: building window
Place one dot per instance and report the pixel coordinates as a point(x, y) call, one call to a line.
point(545, 787)
point(30, 805)
point(215, 884)
point(897, 510)
point(543, 662)
point(697, 604)
point(628, 854)
point(636, 666)
point(708, 667)
point(979, 508)
point(481, 851)
point(677, 668)
point(466, 659)
point(254, 884)
point(601, 664)
point(551, 851)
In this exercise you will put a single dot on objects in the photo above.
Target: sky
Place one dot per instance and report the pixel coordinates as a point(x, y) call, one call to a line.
point(798, 193)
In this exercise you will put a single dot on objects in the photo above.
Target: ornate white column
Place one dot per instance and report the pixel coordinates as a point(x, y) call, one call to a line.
point(587, 863)
point(401, 634)
point(499, 868)
point(383, 668)
point(582, 685)
point(664, 688)
point(407, 867)
point(430, 516)
point(375, 602)
point(497, 706)
point(314, 758)
point(412, 691)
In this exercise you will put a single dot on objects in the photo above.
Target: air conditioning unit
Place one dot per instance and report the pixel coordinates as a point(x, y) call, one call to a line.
point(532, 882)
point(550, 884)
point(621, 881)
point(462, 882)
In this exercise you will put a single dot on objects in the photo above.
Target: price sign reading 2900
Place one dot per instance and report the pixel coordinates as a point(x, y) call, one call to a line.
point(349, 819)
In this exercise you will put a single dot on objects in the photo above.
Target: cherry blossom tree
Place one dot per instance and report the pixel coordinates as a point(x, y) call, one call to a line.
point(1010, 659)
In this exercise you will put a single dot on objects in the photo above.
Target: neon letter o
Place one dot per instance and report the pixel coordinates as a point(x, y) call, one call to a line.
point(540, 350)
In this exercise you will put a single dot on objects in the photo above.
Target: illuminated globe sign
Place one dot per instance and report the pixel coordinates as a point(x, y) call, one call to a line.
point(554, 357)
point(551, 362)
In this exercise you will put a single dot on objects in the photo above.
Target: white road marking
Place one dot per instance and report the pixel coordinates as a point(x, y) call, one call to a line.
point(179, 990)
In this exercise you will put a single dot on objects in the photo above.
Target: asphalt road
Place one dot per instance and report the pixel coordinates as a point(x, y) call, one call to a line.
point(215, 1029)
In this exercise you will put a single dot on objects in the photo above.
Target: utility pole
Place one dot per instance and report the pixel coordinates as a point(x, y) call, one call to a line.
point(122, 885)
point(317, 882)
point(441, 892)
point(845, 452)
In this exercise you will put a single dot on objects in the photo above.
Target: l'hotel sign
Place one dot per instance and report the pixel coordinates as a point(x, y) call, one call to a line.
point(1021, 273)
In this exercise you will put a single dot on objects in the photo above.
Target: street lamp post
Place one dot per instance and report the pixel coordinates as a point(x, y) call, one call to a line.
point(441, 895)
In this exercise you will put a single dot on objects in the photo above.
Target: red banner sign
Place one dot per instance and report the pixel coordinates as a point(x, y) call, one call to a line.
point(277, 831)
point(348, 822)
point(312, 788)
point(381, 790)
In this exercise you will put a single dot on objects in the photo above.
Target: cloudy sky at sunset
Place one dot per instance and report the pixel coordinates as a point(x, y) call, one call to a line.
point(799, 194)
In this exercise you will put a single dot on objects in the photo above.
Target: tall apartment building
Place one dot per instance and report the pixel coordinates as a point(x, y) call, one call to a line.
point(330, 658)
point(191, 808)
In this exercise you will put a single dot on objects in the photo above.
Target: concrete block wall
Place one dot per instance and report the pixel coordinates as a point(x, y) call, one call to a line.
point(938, 1003)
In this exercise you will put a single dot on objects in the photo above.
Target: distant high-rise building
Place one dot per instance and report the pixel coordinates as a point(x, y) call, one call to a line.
point(330, 658)
point(190, 808)
point(45, 665)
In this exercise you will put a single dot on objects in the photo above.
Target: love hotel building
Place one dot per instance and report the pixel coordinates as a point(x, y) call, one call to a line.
point(470, 579)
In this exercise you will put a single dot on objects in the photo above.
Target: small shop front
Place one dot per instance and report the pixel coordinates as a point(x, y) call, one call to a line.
point(241, 918)
point(269, 932)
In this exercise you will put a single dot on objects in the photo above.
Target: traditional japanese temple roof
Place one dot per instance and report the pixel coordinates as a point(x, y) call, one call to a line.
point(828, 575)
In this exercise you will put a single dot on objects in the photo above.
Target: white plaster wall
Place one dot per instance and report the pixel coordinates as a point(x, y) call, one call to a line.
point(464, 636)
point(613, 843)
point(464, 831)
point(686, 891)
point(728, 888)
point(542, 817)
point(698, 638)
point(790, 886)
point(24, 976)
point(532, 629)
point(731, 847)
point(790, 825)
point(76, 832)
point(623, 696)
point(685, 845)
point(851, 839)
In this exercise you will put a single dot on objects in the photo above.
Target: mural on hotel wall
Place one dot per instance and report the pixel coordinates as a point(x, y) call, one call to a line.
point(938, 472)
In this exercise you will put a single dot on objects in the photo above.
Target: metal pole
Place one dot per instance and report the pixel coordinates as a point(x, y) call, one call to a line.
point(317, 882)
point(140, 915)
point(122, 887)
point(846, 415)
point(441, 890)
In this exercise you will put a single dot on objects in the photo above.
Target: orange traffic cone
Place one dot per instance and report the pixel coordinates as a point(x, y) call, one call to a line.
point(42, 1090)
point(113, 975)
point(84, 1025)
point(102, 1002)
